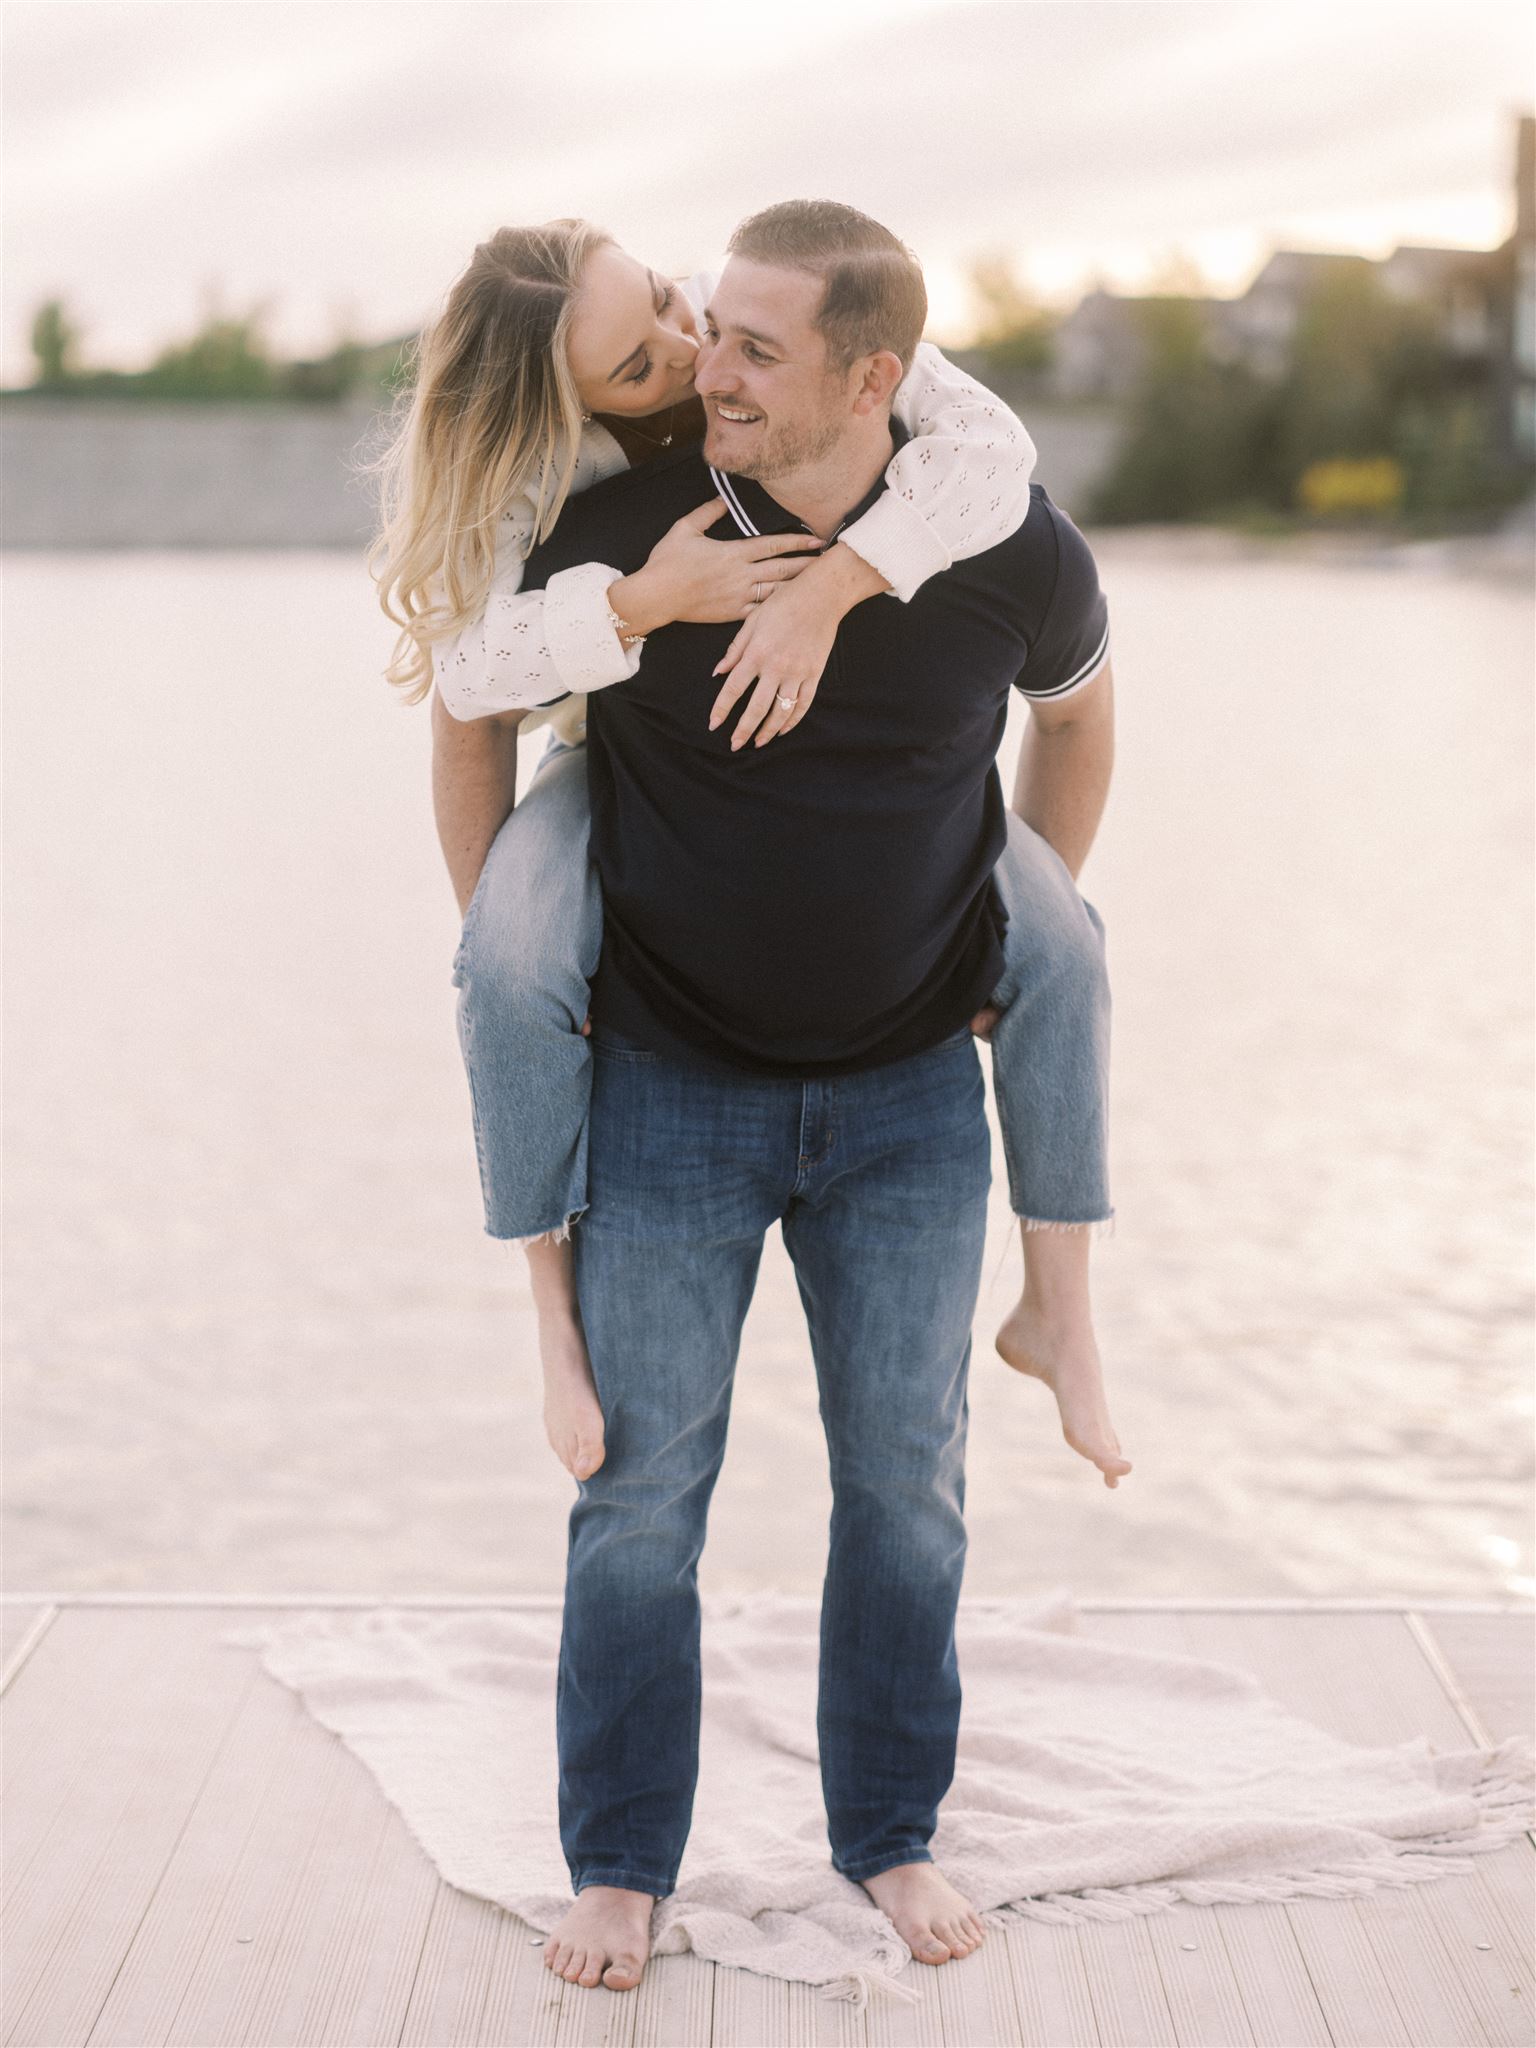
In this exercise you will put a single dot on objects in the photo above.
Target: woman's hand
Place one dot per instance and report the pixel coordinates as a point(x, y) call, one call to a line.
point(783, 647)
point(688, 576)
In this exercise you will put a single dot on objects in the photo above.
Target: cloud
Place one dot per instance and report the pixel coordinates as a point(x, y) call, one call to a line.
point(328, 151)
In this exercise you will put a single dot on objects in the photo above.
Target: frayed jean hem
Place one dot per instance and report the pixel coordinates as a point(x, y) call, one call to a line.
point(553, 1233)
point(1100, 1226)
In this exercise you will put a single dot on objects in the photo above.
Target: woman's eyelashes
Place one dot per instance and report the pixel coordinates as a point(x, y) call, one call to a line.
point(648, 365)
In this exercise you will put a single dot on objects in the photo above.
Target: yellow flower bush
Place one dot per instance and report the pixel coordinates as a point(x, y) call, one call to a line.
point(1340, 487)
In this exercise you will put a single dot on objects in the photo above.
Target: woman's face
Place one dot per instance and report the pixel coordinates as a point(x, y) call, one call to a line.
point(633, 337)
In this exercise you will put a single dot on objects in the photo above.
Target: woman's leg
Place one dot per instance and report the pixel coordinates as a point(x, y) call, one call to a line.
point(525, 960)
point(1050, 1070)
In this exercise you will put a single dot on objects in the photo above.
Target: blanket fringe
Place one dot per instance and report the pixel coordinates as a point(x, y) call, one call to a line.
point(857, 1986)
point(1338, 1881)
point(1501, 1792)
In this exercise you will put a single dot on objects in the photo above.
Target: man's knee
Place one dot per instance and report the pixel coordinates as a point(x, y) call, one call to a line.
point(639, 1522)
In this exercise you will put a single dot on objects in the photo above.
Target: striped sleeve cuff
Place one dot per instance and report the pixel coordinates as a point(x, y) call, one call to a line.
point(1080, 677)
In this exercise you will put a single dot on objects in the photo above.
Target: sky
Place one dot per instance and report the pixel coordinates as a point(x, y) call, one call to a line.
point(335, 161)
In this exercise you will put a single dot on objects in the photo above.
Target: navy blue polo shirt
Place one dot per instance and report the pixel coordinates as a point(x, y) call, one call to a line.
point(822, 904)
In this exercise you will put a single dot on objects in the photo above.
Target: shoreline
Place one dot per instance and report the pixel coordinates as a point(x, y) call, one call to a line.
point(1507, 554)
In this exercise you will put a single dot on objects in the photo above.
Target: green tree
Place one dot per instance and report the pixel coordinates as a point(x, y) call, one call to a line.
point(55, 339)
point(1448, 451)
point(227, 357)
point(1015, 329)
point(1358, 358)
point(1197, 432)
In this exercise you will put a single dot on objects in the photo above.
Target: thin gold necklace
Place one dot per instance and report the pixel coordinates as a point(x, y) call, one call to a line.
point(666, 438)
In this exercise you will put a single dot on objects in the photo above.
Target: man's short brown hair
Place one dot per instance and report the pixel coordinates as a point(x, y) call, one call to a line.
point(874, 296)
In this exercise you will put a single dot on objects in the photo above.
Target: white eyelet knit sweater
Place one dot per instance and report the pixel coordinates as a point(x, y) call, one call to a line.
point(958, 487)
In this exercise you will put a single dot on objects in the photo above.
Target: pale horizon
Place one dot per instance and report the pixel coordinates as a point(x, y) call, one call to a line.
point(162, 159)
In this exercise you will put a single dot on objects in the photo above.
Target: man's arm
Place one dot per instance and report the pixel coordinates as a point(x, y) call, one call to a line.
point(474, 782)
point(1065, 765)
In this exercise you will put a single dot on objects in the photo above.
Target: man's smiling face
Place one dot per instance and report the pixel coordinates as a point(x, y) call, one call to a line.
point(771, 403)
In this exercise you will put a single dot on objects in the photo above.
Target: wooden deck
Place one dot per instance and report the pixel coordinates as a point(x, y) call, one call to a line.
point(190, 1858)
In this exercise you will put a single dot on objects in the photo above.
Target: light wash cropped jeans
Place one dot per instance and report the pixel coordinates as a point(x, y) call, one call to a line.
point(529, 949)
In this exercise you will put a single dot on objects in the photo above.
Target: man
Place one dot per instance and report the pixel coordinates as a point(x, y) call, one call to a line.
point(795, 941)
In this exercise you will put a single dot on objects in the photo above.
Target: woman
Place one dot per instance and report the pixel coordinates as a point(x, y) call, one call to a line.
point(558, 360)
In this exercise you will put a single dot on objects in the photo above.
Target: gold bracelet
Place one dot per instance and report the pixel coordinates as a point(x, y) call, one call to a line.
point(628, 637)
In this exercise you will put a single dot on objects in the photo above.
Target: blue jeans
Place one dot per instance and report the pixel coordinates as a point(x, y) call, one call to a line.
point(880, 1182)
point(530, 946)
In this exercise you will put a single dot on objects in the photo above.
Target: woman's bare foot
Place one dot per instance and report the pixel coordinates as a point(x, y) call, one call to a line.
point(1050, 1337)
point(605, 1938)
point(1065, 1356)
point(932, 1918)
point(573, 1415)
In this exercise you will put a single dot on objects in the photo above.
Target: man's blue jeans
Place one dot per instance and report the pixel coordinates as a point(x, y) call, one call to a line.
point(880, 1182)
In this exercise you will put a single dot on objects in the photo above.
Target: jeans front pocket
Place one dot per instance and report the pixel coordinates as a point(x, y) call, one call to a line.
point(613, 1045)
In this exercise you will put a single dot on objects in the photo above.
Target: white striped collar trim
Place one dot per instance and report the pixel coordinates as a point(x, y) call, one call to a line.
point(737, 510)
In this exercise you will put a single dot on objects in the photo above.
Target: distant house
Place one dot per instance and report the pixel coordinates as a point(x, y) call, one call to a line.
point(1098, 347)
point(1258, 328)
point(1515, 309)
point(1484, 301)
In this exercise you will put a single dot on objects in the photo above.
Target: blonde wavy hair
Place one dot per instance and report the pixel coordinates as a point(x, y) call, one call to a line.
point(490, 411)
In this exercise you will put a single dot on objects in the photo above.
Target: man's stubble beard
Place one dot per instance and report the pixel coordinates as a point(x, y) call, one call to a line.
point(786, 449)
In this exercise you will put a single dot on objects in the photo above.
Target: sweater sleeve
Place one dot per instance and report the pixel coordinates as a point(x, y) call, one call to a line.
point(957, 488)
point(530, 647)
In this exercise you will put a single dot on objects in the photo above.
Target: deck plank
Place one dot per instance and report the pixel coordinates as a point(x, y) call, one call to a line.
point(63, 1704)
point(975, 1995)
point(1490, 1957)
point(216, 1920)
point(457, 1970)
point(1129, 2003)
point(1493, 1659)
point(1348, 1979)
point(1205, 1999)
point(1050, 1982)
point(1506, 1882)
point(675, 2003)
point(168, 1798)
point(90, 1829)
point(1258, 1975)
point(523, 2001)
point(1279, 2001)
point(1429, 1987)
point(750, 2009)
point(1366, 1678)
point(15, 1621)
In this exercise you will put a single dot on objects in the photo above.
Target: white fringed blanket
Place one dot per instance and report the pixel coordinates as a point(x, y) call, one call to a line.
point(1091, 1780)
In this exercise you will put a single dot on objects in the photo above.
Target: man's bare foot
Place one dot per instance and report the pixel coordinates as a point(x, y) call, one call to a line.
point(605, 1938)
point(932, 1918)
point(573, 1415)
point(1062, 1352)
